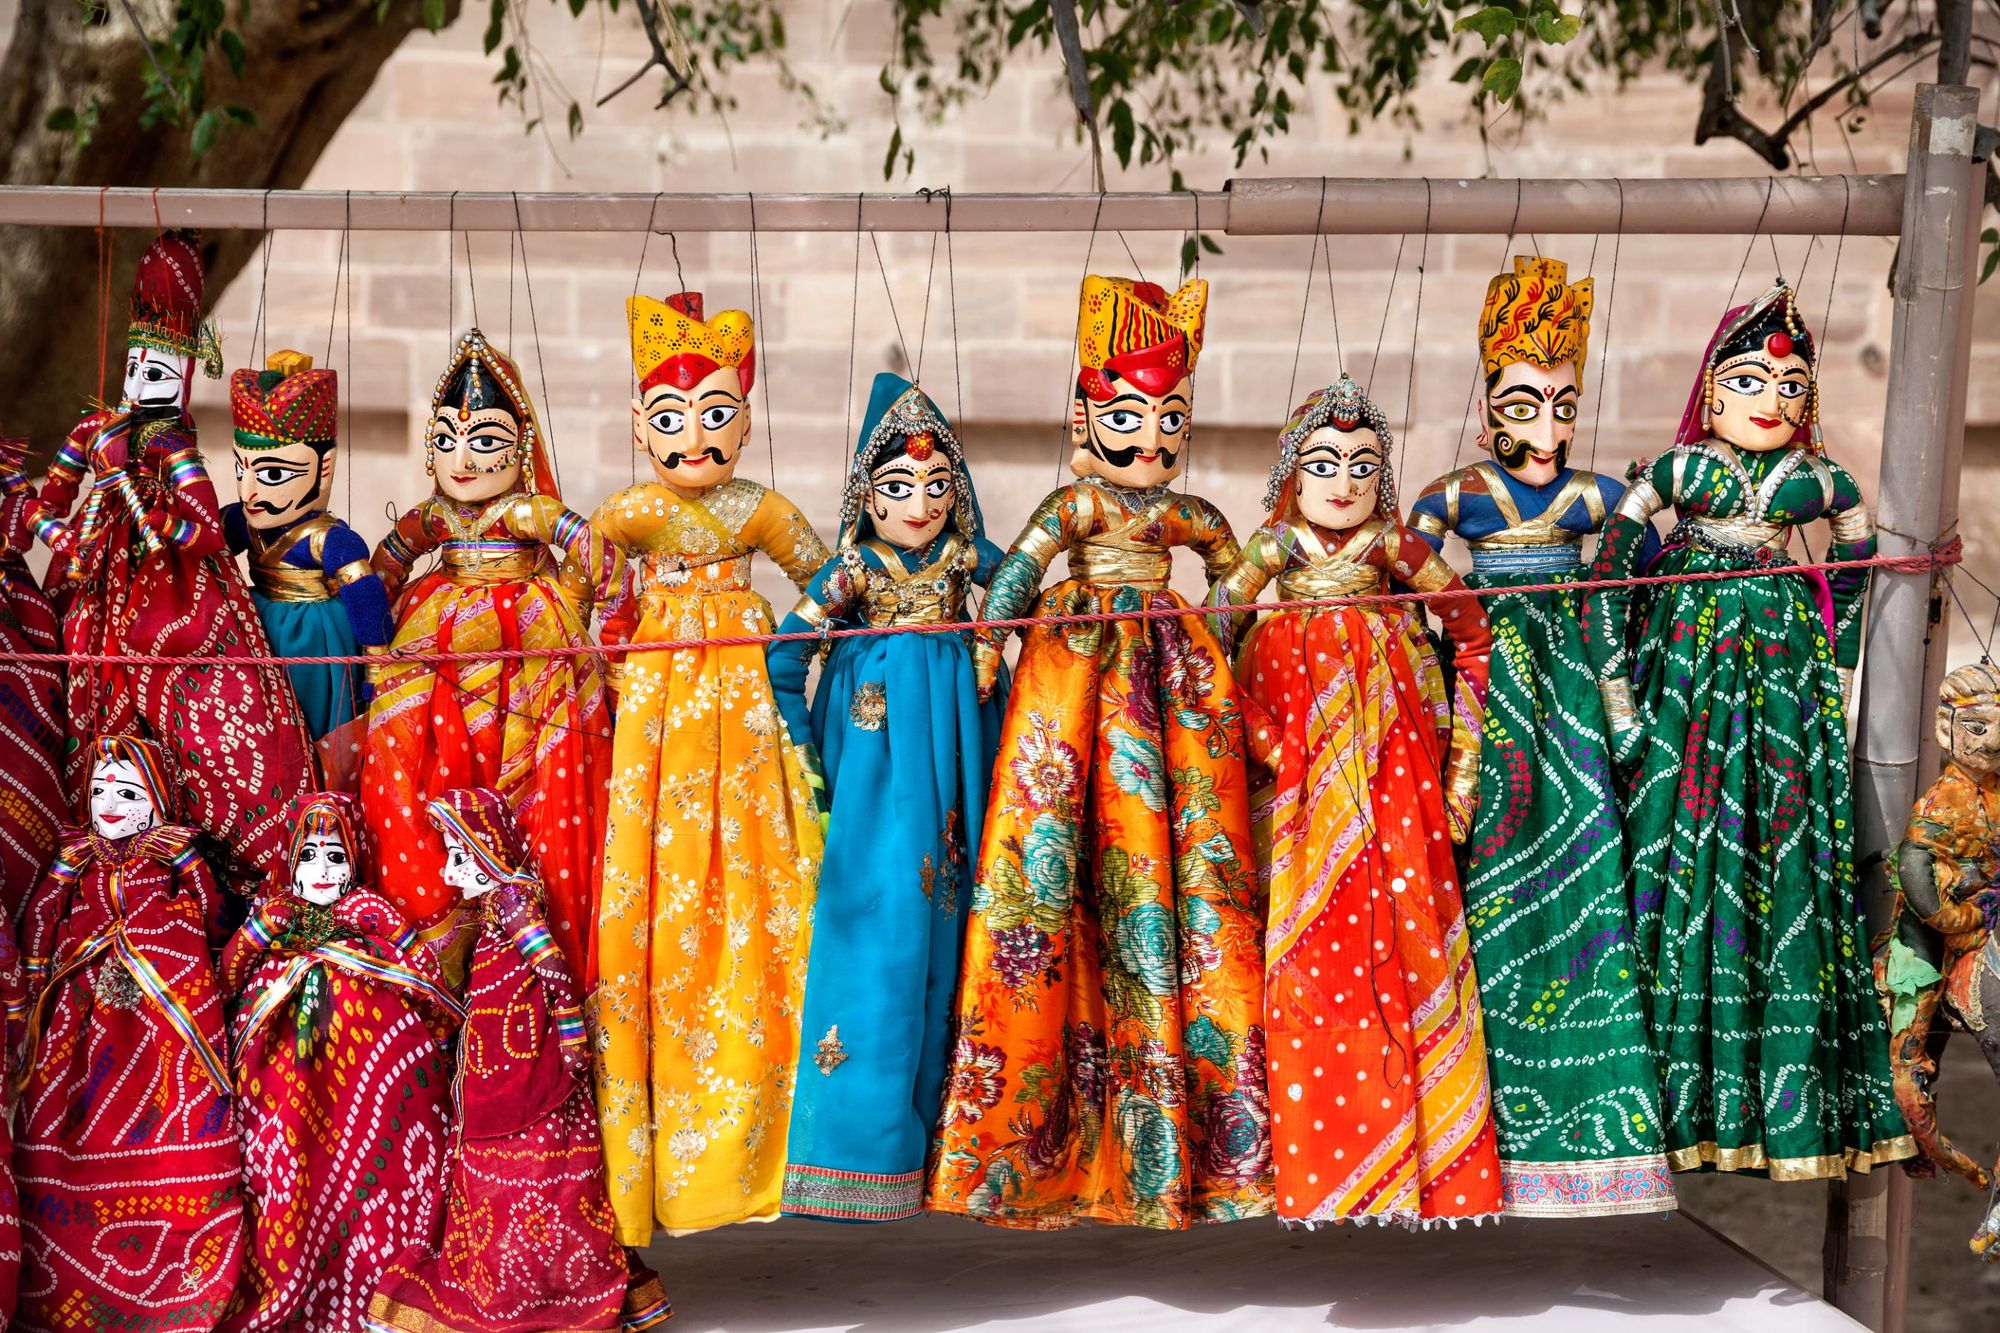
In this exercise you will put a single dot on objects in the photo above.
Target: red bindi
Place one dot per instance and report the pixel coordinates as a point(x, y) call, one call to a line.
point(1779, 344)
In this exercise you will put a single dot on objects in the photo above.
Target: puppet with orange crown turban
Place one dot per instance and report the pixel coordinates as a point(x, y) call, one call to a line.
point(1110, 1059)
point(714, 845)
point(519, 570)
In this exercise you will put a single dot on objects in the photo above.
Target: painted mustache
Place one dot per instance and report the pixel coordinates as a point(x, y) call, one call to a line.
point(674, 460)
point(1124, 457)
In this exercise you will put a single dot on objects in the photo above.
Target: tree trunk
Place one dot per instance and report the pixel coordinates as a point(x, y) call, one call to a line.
point(310, 62)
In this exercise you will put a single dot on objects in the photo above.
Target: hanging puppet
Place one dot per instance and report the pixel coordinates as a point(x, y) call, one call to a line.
point(519, 570)
point(525, 1241)
point(1575, 1086)
point(341, 1082)
point(1937, 965)
point(144, 568)
point(314, 588)
point(33, 801)
point(1379, 1081)
point(715, 839)
point(908, 752)
point(1110, 1056)
point(1727, 701)
point(117, 939)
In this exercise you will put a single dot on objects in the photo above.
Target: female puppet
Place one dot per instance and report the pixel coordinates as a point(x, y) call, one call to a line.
point(715, 842)
point(32, 799)
point(315, 590)
point(908, 749)
point(1110, 1055)
point(130, 1173)
point(1727, 700)
point(340, 1080)
point(524, 1244)
point(143, 568)
point(1576, 1090)
point(1378, 1067)
point(534, 729)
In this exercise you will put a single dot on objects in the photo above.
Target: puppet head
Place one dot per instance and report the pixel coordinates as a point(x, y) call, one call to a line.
point(1968, 719)
point(908, 481)
point(483, 441)
point(1758, 387)
point(692, 416)
point(328, 852)
point(1533, 333)
point(167, 335)
point(129, 792)
point(285, 418)
point(1133, 413)
point(1333, 461)
point(483, 846)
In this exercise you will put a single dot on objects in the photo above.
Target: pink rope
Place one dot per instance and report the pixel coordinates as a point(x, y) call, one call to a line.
point(1945, 555)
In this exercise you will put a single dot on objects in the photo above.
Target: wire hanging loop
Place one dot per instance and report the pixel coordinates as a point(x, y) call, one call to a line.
point(764, 351)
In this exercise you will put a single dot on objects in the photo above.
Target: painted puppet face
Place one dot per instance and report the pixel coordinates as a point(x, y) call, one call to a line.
point(156, 379)
point(910, 499)
point(1137, 440)
point(1339, 477)
point(1759, 400)
point(1531, 419)
point(462, 870)
point(693, 437)
point(475, 454)
point(1970, 734)
point(324, 870)
point(280, 486)
point(119, 805)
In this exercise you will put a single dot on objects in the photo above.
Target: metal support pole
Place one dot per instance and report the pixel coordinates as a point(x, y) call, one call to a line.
point(1867, 1258)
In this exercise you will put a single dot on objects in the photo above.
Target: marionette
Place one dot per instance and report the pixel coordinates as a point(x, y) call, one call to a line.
point(340, 1079)
point(519, 570)
point(1937, 966)
point(143, 568)
point(1576, 1090)
point(1109, 1063)
point(314, 588)
point(1378, 1084)
point(525, 1241)
point(32, 797)
point(908, 749)
point(128, 1164)
point(715, 839)
point(1727, 702)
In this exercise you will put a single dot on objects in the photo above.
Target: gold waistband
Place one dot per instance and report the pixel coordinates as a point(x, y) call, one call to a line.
point(677, 576)
point(1146, 568)
point(912, 603)
point(1342, 579)
point(471, 565)
point(282, 583)
point(1742, 532)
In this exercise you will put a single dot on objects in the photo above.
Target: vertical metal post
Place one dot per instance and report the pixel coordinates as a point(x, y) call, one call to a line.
point(1867, 1242)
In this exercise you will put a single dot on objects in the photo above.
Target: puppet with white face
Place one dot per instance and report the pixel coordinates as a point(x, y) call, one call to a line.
point(121, 800)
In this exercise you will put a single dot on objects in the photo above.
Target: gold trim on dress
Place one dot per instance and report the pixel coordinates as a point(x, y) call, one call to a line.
point(1640, 502)
point(1119, 558)
point(467, 563)
point(281, 583)
point(1751, 1157)
point(1852, 525)
point(932, 595)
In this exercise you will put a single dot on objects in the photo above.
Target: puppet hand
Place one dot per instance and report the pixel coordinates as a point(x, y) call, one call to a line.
point(985, 667)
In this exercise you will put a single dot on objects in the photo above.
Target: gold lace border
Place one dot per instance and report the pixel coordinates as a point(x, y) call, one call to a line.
point(1827, 1166)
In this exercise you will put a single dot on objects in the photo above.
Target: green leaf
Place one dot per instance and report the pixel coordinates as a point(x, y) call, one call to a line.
point(1467, 68)
point(1492, 23)
point(1556, 28)
point(232, 51)
point(1190, 251)
point(495, 17)
point(206, 127)
point(1503, 78)
point(1122, 131)
point(575, 119)
point(889, 158)
point(434, 14)
point(62, 118)
point(1208, 244)
point(242, 115)
point(1992, 262)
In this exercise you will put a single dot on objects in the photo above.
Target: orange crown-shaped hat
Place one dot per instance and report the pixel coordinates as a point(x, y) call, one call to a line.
point(1534, 314)
point(671, 344)
point(287, 403)
point(1127, 330)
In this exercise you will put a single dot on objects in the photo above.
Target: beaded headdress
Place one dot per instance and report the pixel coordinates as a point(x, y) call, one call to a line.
point(166, 303)
point(487, 367)
point(1771, 322)
point(288, 402)
point(1127, 330)
point(672, 344)
point(1344, 406)
point(1534, 314)
point(898, 411)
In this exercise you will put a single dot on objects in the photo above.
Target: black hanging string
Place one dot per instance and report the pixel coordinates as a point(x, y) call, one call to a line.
point(339, 267)
point(535, 329)
point(1479, 367)
point(1069, 394)
point(1305, 301)
point(1610, 309)
point(1770, 185)
point(1388, 303)
point(1416, 335)
point(259, 346)
point(924, 325)
point(876, 243)
point(639, 276)
point(512, 239)
point(347, 325)
point(951, 291)
point(451, 270)
point(757, 316)
point(1332, 304)
point(853, 318)
point(1129, 255)
point(471, 282)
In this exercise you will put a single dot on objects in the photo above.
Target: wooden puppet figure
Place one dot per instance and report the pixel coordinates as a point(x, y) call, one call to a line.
point(143, 568)
point(518, 570)
point(1727, 702)
point(524, 1242)
point(1938, 964)
point(908, 752)
point(1576, 1090)
point(33, 802)
point(341, 1082)
point(714, 843)
point(1110, 1059)
point(309, 573)
point(1377, 1063)
point(131, 1186)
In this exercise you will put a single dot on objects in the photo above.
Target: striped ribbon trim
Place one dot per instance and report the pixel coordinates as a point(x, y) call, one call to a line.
point(569, 1025)
point(112, 939)
point(348, 959)
point(183, 466)
point(569, 527)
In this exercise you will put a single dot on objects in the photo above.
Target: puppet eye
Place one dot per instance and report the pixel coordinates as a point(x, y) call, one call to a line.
point(1320, 467)
point(715, 418)
point(1520, 411)
point(938, 488)
point(1123, 420)
point(667, 421)
point(896, 489)
point(1745, 384)
point(1791, 388)
point(1362, 471)
point(1171, 422)
point(1565, 412)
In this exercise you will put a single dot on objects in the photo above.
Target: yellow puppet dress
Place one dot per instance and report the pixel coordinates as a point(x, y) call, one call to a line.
point(711, 860)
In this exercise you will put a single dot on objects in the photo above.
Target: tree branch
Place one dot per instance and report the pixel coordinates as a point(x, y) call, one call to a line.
point(1721, 118)
point(678, 82)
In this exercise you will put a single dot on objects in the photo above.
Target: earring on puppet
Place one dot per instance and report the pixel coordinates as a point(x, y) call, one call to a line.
point(1081, 461)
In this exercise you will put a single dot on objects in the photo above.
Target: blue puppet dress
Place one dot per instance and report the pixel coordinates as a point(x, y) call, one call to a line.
point(318, 597)
point(908, 750)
